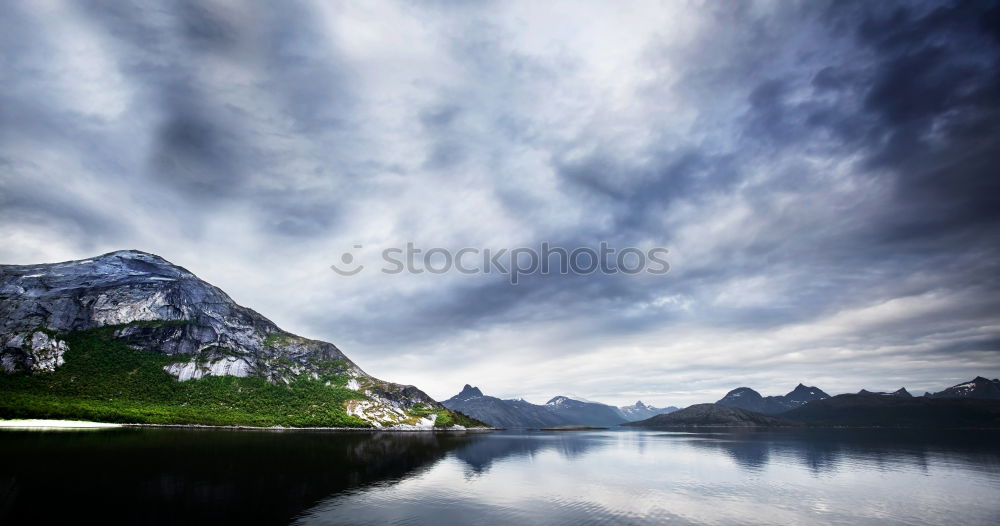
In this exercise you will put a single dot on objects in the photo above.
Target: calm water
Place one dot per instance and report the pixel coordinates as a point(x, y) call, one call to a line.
point(170, 476)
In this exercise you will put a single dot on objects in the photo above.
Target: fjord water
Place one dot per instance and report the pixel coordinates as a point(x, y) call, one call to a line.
point(184, 476)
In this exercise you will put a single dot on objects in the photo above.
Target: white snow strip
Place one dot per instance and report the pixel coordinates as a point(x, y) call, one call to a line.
point(54, 424)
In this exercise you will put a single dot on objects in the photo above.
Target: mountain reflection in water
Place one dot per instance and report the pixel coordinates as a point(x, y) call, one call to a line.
point(172, 476)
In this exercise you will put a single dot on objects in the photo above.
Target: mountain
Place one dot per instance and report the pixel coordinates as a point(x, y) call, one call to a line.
point(978, 388)
point(560, 411)
point(503, 413)
point(712, 415)
point(750, 400)
point(468, 393)
point(879, 410)
point(585, 413)
point(128, 336)
point(744, 398)
point(901, 392)
point(640, 411)
point(801, 395)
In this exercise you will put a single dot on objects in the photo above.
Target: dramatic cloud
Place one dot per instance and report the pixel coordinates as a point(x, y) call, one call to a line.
point(823, 174)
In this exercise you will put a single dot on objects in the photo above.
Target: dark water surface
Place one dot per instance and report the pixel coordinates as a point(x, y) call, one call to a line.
point(181, 476)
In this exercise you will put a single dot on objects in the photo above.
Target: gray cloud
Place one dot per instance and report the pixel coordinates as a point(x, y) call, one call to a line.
point(822, 174)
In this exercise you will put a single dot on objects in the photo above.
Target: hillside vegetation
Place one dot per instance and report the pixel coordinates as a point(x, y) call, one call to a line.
point(106, 380)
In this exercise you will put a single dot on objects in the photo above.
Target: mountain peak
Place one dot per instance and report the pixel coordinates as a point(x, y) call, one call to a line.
point(978, 387)
point(129, 255)
point(129, 252)
point(469, 392)
point(740, 392)
point(750, 400)
point(557, 400)
point(113, 269)
point(804, 392)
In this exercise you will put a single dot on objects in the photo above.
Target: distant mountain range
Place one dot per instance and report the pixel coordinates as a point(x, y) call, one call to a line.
point(712, 415)
point(503, 413)
point(973, 404)
point(875, 410)
point(559, 411)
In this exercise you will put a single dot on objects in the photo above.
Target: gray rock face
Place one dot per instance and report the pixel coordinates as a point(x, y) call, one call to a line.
point(183, 316)
point(31, 351)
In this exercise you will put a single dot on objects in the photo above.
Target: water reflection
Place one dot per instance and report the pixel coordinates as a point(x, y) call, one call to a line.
point(171, 476)
point(817, 450)
point(641, 477)
point(480, 452)
point(181, 476)
point(829, 450)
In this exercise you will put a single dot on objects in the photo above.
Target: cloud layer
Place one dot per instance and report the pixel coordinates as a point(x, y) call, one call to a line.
point(824, 176)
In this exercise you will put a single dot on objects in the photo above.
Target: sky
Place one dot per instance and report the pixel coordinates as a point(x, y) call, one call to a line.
point(824, 176)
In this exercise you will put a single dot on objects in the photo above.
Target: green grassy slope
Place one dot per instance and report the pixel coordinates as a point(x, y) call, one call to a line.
point(105, 380)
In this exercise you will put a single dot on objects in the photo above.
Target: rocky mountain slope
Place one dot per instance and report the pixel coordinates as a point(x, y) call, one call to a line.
point(640, 411)
point(712, 415)
point(750, 400)
point(133, 301)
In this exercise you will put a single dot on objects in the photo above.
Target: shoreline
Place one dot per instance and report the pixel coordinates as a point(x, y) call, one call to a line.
point(42, 424)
